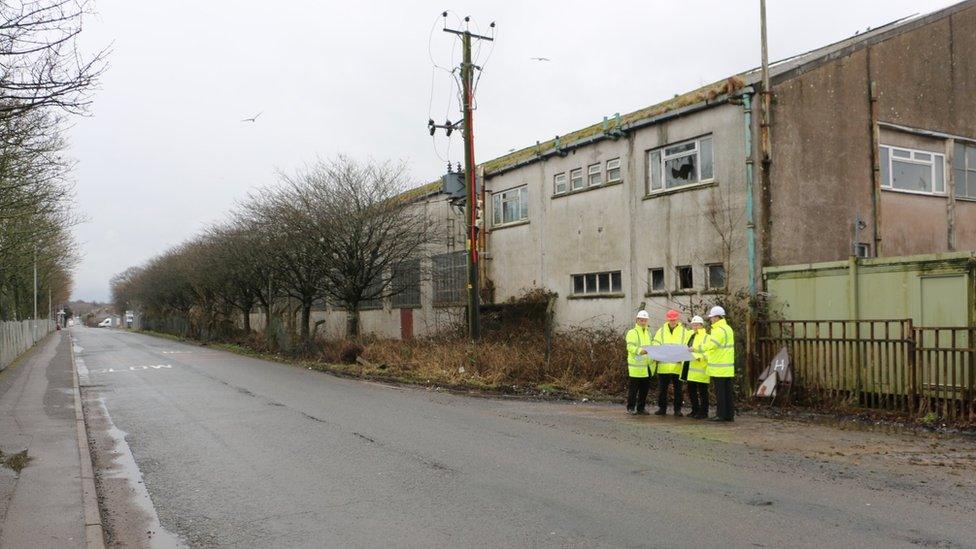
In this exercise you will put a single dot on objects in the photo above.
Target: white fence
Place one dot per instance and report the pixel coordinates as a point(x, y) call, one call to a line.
point(20, 335)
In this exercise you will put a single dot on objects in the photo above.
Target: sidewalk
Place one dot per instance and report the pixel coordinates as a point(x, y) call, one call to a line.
point(42, 505)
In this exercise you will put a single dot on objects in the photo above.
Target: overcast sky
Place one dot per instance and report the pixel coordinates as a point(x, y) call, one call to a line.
point(165, 153)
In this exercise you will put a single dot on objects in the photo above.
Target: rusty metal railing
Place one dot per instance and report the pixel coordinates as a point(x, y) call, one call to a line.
point(885, 363)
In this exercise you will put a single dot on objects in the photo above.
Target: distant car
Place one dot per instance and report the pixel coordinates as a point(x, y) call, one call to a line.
point(107, 323)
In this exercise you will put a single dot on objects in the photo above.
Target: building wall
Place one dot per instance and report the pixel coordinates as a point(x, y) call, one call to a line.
point(925, 78)
point(618, 227)
point(448, 228)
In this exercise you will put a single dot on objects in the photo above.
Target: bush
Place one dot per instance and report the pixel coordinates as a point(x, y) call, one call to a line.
point(350, 351)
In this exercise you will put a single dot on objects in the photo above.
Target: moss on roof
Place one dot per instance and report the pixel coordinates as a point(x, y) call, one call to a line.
point(704, 93)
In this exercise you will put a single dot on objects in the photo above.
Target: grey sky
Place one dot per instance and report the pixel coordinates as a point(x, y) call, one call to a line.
point(165, 153)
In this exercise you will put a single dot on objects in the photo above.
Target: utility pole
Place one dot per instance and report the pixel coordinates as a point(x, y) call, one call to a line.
point(767, 93)
point(471, 203)
point(34, 324)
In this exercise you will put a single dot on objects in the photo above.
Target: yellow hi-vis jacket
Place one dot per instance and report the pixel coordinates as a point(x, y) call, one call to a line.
point(697, 368)
point(719, 350)
point(666, 336)
point(638, 365)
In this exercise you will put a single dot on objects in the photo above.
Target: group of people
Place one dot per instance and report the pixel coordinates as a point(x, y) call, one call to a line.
point(713, 361)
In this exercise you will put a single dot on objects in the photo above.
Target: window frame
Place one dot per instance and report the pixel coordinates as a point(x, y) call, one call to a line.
point(607, 168)
point(572, 178)
point(555, 183)
point(406, 294)
point(708, 276)
point(590, 173)
point(650, 281)
point(677, 278)
point(888, 170)
point(663, 158)
point(500, 198)
point(449, 279)
point(960, 163)
point(612, 279)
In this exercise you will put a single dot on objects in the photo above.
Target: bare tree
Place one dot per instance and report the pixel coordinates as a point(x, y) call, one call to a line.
point(366, 228)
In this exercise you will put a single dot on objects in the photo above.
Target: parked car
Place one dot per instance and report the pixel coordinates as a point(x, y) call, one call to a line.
point(107, 323)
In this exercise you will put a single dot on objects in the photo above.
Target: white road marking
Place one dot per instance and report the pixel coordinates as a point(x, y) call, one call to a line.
point(128, 469)
point(132, 368)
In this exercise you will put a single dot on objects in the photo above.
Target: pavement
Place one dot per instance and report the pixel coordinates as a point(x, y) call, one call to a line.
point(42, 504)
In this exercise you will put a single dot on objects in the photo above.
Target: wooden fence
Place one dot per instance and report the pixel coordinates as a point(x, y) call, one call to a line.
point(888, 364)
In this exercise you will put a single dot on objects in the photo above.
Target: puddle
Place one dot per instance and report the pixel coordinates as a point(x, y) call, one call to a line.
point(124, 467)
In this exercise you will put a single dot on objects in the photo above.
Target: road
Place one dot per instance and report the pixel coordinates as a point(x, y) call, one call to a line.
point(235, 451)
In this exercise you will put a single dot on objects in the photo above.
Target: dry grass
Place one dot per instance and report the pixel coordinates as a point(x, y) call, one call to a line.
point(589, 362)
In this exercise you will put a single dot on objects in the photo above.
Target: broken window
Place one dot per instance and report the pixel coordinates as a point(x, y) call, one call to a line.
point(964, 169)
point(510, 206)
point(681, 164)
point(911, 170)
point(716, 276)
point(656, 282)
point(685, 278)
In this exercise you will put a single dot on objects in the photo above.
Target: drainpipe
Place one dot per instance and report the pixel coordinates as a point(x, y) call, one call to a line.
point(750, 221)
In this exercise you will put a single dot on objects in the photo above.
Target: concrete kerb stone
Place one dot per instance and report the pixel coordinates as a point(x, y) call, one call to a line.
point(94, 535)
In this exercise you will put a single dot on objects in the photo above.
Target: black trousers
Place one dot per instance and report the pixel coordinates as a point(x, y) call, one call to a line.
point(663, 380)
point(637, 392)
point(724, 407)
point(698, 394)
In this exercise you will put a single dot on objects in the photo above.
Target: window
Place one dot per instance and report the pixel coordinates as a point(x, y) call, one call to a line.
point(680, 164)
point(964, 169)
point(597, 283)
point(716, 276)
point(373, 295)
point(406, 284)
point(656, 282)
point(510, 206)
point(685, 279)
point(613, 170)
point(576, 178)
point(862, 250)
point(912, 171)
point(594, 175)
point(450, 277)
point(559, 183)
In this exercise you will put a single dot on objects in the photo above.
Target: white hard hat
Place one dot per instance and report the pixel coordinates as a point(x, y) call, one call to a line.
point(716, 311)
point(643, 314)
point(697, 320)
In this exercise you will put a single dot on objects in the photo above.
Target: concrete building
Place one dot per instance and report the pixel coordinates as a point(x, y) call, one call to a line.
point(653, 207)
point(873, 153)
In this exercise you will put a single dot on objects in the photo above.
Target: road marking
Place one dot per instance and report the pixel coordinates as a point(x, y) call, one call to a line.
point(132, 368)
point(176, 352)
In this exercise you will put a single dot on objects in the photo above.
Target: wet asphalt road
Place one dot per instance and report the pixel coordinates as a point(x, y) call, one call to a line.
point(241, 452)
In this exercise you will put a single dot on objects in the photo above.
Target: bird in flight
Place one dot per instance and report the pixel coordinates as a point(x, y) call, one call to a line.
point(253, 118)
point(540, 58)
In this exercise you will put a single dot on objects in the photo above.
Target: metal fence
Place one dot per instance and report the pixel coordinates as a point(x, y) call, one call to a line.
point(887, 364)
point(17, 336)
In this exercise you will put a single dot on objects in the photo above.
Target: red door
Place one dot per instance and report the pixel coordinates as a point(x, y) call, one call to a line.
point(406, 324)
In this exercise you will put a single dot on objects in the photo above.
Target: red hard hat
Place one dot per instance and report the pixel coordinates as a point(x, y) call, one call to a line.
point(673, 315)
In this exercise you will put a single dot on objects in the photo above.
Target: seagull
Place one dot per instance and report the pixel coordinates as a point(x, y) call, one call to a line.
point(253, 118)
point(540, 59)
